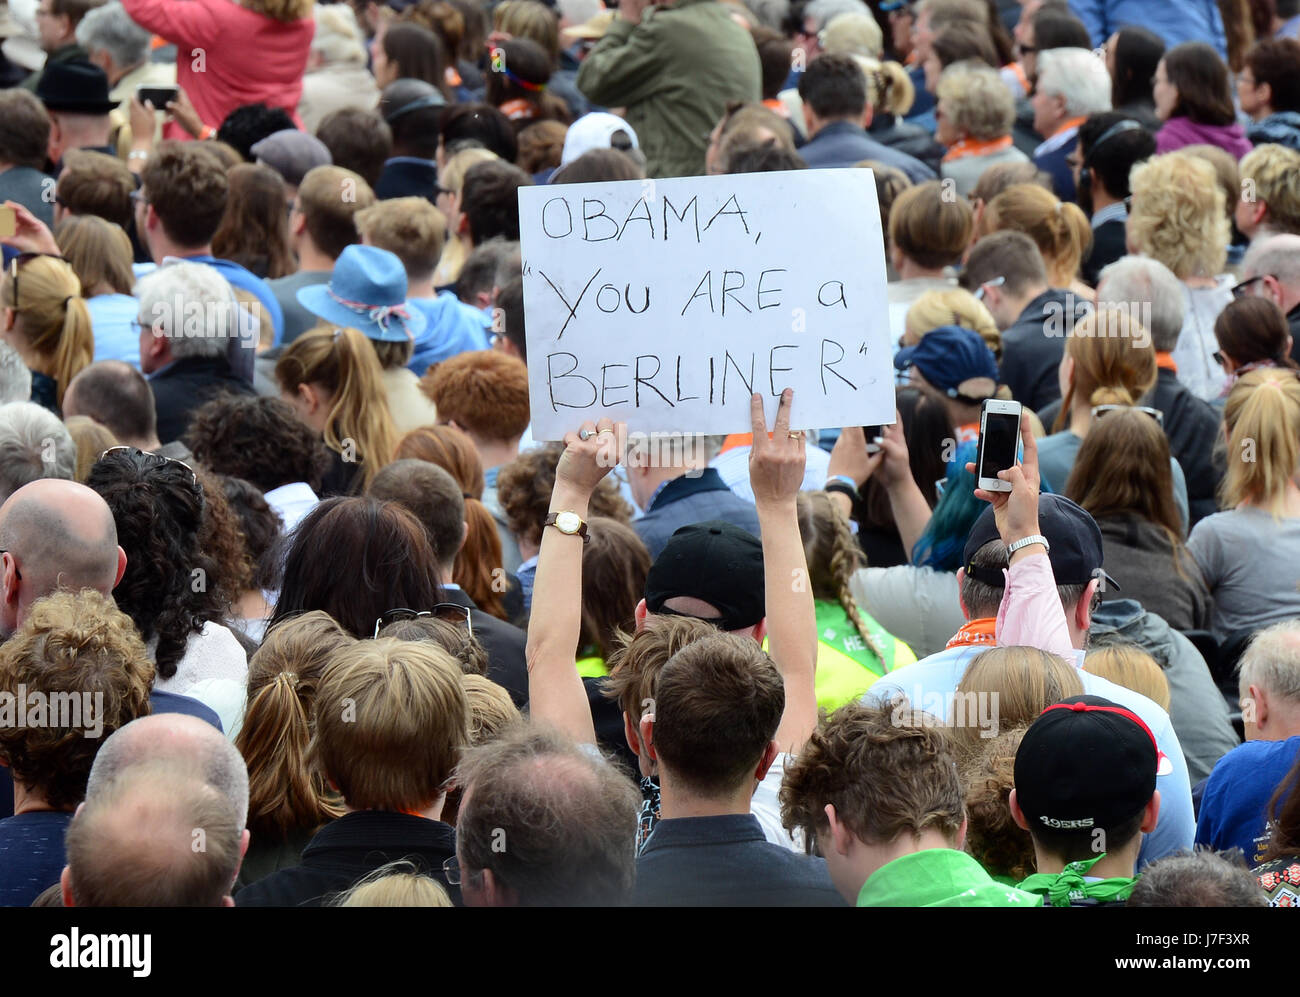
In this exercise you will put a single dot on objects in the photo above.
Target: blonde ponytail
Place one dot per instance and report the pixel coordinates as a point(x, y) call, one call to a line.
point(894, 91)
point(1262, 416)
point(1114, 361)
point(1060, 230)
point(75, 347)
point(53, 316)
point(343, 363)
point(285, 794)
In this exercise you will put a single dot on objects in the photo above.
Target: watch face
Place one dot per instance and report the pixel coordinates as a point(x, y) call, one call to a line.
point(568, 522)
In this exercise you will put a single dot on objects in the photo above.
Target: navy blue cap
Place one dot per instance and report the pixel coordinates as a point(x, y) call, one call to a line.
point(949, 355)
point(1074, 543)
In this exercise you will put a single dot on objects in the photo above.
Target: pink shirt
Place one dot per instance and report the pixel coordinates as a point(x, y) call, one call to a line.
point(228, 56)
point(1030, 614)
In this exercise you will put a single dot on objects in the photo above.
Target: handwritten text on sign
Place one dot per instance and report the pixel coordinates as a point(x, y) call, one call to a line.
point(668, 303)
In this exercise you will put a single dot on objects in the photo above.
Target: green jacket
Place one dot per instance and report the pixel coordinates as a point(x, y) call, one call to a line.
point(66, 53)
point(674, 73)
point(939, 877)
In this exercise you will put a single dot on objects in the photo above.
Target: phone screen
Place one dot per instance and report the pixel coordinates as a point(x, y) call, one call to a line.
point(159, 97)
point(999, 443)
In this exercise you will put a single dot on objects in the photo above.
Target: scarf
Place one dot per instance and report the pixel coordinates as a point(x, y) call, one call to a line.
point(976, 632)
point(975, 147)
point(1061, 888)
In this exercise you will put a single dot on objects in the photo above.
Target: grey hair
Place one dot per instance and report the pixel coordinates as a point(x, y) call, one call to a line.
point(15, 378)
point(34, 444)
point(823, 11)
point(978, 101)
point(1148, 291)
point(1200, 878)
point(572, 831)
point(1078, 76)
point(175, 737)
point(109, 28)
point(192, 305)
point(770, 13)
point(1278, 255)
point(1272, 662)
point(338, 40)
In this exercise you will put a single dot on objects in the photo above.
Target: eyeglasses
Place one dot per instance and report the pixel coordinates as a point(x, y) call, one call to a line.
point(995, 282)
point(156, 460)
point(1218, 357)
point(21, 260)
point(1155, 413)
point(451, 871)
point(448, 611)
point(17, 574)
point(1243, 289)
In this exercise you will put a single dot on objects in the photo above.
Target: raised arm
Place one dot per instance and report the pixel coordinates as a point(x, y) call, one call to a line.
point(776, 468)
point(185, 22)
point(555, 691)
point(624, 67)
point(1030, 614)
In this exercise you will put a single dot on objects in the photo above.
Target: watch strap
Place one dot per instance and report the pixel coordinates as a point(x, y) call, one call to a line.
point(581, 531)
point(1037, 538)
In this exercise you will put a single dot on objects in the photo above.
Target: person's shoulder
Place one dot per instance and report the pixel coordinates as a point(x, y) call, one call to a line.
point(1229, 522)
point(1250, 755)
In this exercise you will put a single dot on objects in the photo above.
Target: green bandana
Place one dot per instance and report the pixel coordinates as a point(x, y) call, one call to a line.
point(1063, 887)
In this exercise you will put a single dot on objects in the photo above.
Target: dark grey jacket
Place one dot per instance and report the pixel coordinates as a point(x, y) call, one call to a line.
point(1196, 707)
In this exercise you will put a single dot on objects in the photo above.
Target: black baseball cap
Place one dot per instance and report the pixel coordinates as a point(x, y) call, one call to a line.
point(1085, 763)
point(716, 562)
point(1073, 539)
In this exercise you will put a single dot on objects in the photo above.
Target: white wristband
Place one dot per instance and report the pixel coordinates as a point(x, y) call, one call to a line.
point(1037, 538)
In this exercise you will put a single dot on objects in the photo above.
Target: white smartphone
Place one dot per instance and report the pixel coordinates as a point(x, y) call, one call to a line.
point(999, 443)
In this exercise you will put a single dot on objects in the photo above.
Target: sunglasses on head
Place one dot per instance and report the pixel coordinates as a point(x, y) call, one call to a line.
point(1155, 413)
point(20, 261)
point(153, 459)
point(447, 611)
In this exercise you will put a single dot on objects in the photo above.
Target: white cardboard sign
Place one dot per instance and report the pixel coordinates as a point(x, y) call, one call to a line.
point(668, 303)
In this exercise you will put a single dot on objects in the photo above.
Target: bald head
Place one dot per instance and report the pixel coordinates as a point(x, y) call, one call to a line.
point(174, 737)
point(118, 397)
point(57, 535)
point(158, 835)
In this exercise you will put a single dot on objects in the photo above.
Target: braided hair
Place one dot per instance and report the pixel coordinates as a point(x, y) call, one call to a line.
point(833, 556)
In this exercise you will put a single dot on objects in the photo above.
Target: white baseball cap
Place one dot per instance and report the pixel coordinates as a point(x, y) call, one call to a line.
point(595, 131)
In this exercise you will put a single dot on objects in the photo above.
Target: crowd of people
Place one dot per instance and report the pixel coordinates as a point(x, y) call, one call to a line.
point(284, 567)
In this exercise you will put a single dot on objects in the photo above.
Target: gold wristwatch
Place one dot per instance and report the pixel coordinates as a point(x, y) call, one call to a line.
point(569, 523)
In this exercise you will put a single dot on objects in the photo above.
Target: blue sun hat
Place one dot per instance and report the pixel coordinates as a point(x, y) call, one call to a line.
point(366, 291)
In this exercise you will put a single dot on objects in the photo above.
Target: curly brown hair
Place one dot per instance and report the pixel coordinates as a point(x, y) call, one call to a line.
point(73, 648)
point(222, 539)
point(524, 489)
point(888, 769)
point(157, 505)
point(259, 439)
point(993, 838)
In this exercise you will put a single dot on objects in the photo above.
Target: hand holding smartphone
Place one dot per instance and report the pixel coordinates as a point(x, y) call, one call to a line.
point(158, 96)
point(999, 443)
